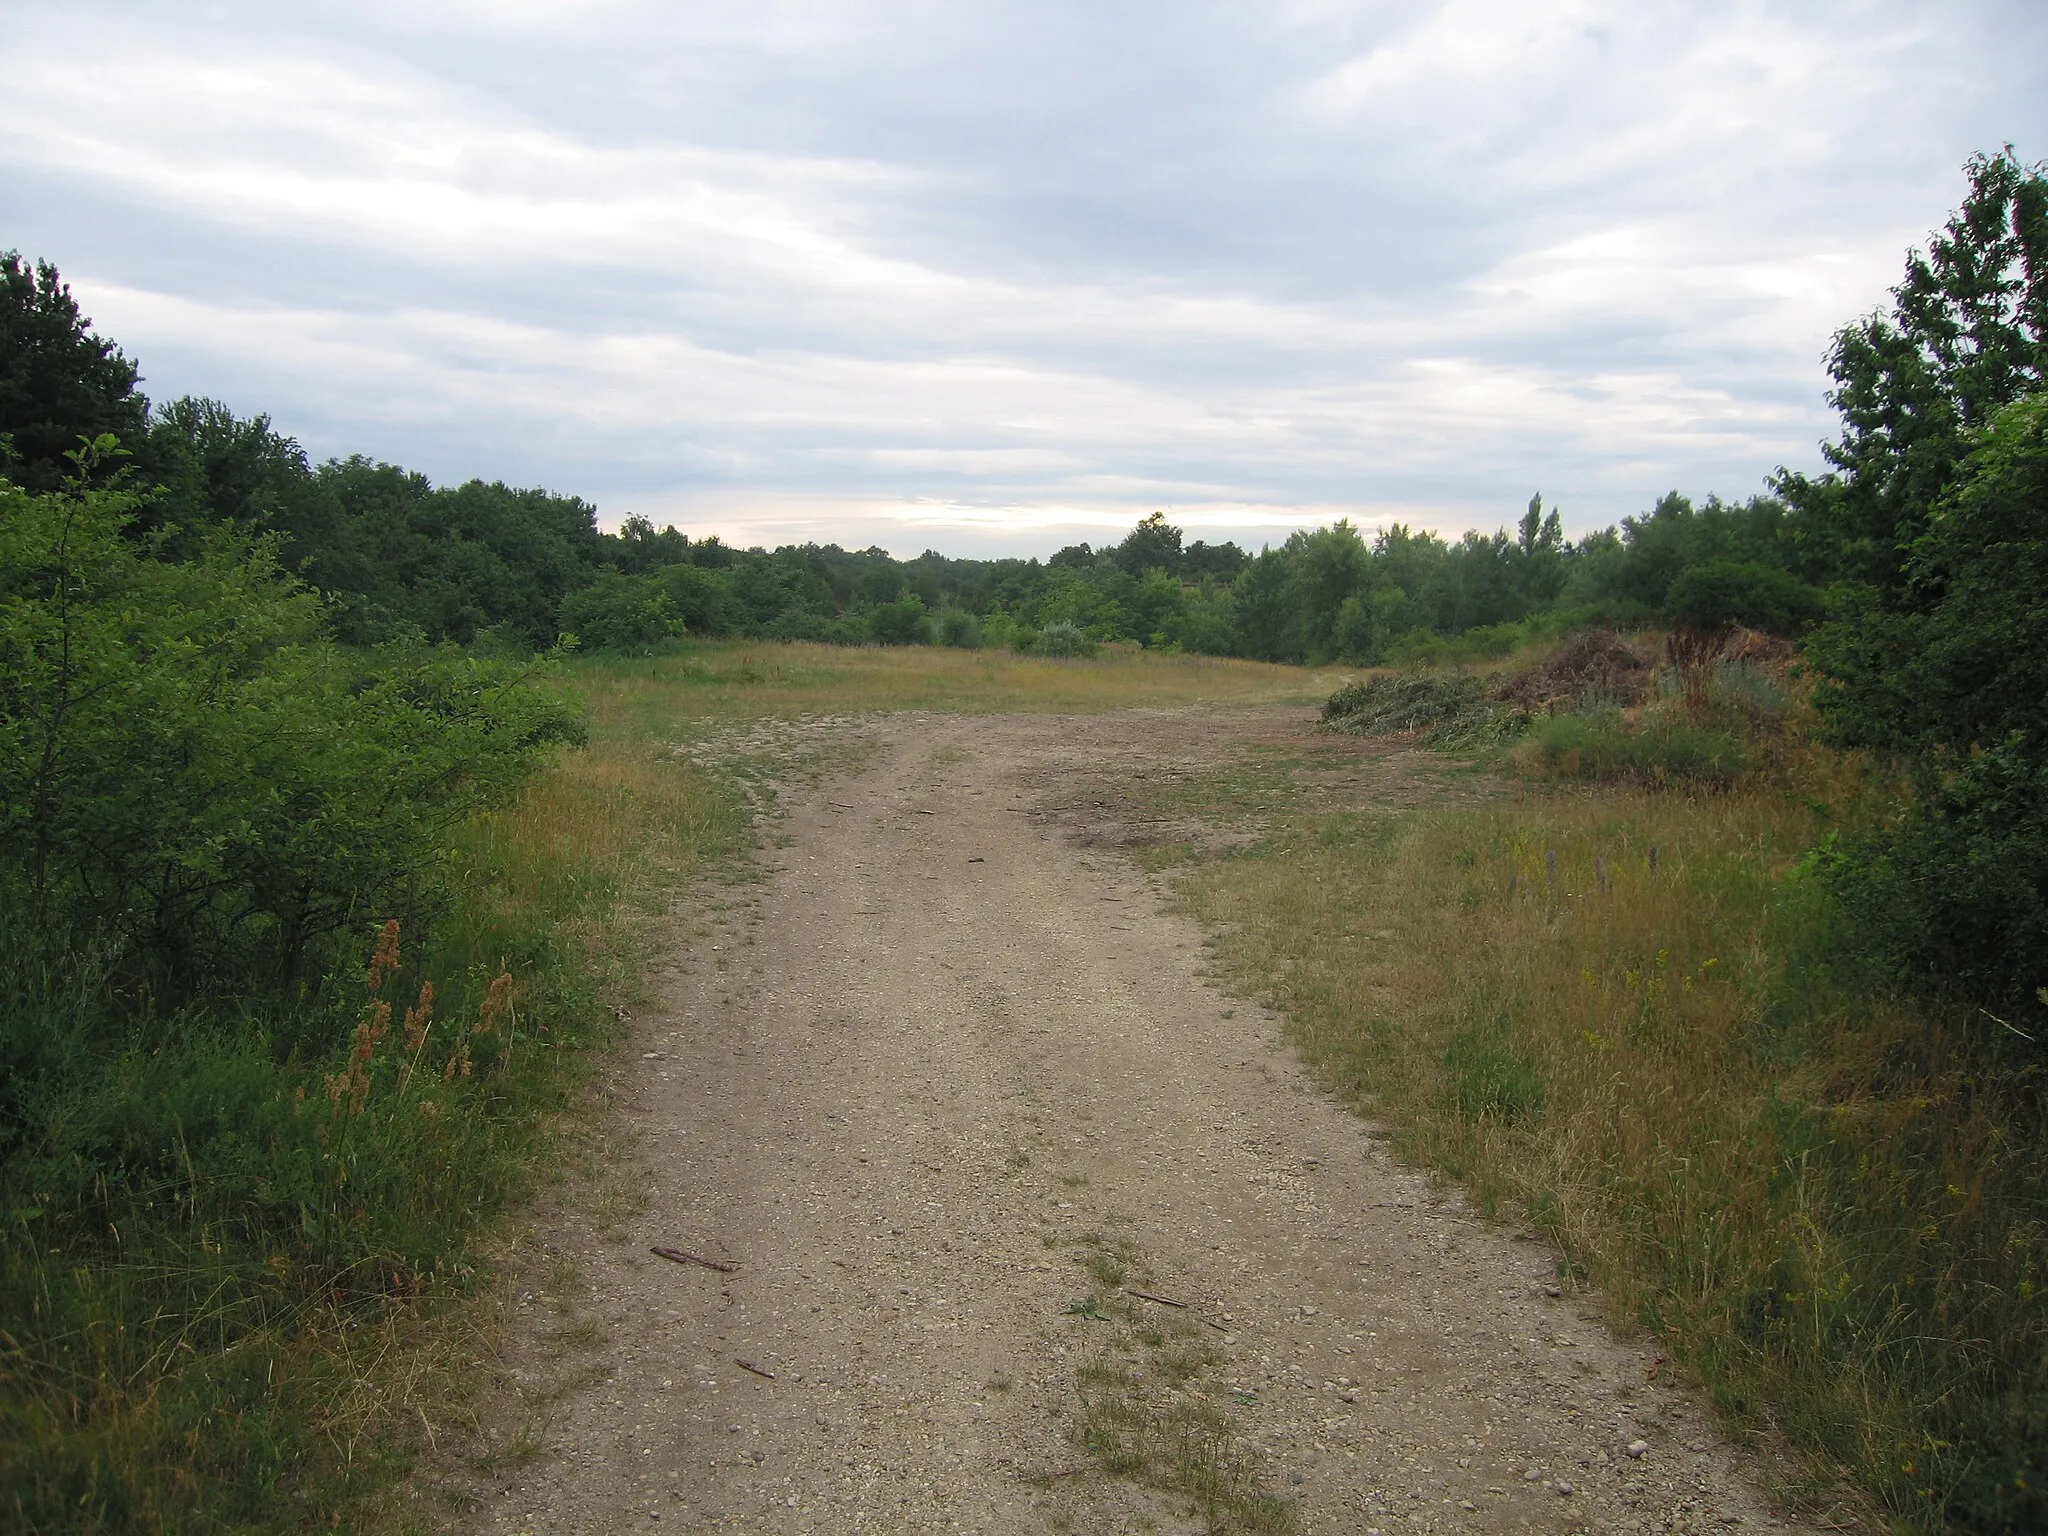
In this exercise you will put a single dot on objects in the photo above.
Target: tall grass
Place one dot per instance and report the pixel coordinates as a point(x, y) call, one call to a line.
point(1628, 1015)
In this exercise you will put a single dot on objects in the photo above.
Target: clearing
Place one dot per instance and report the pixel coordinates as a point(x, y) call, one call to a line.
point(1033, 1225)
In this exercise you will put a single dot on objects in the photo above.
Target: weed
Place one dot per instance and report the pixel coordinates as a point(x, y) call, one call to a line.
point(1108, 1272)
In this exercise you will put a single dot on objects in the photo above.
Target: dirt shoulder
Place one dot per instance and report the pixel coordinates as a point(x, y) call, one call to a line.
point(1034, 1226)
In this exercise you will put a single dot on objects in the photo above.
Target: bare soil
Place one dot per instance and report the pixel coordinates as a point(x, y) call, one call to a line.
point(958, 1099)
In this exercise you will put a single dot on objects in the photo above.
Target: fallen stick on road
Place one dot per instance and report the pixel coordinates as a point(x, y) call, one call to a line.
point(677, 1256)
point(1164, 1301)
point(748, 1365)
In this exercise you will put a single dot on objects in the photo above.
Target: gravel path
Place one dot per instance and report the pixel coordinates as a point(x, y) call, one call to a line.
point(957, 1099)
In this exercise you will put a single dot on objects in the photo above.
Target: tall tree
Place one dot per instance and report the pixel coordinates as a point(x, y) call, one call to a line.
point(60, 385)
point(1968, 333)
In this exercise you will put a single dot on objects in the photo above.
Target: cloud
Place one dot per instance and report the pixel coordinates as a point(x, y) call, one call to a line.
point(997, 266)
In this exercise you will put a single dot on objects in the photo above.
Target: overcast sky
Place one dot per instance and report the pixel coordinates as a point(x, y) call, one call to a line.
point(992, 276)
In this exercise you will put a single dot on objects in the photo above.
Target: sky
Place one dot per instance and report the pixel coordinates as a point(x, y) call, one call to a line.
point(997, 275)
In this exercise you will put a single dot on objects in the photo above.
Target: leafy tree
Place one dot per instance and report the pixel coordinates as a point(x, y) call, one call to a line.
point(1153, 545)
point(1967, 334)
point(60, 385)
point(1952, 678)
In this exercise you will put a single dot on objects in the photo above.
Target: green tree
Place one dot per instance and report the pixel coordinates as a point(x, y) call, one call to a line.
point(1967, 334)
point(1953, 680)
point(60, 385)
point(1153, 545)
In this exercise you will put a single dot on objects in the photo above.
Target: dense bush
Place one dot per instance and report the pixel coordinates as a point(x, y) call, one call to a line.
point(960, 629)
point(618, 612)
point(193, 774)
point(1063, 637)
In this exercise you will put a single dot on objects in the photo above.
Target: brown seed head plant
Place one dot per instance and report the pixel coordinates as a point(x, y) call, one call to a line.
point(385, 960)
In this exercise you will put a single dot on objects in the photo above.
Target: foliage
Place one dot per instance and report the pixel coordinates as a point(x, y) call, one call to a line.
point(193, 773)
point(1063, 637)
point(1936, 654)
point(60, 385)
point(959, 629)
point(1967, 334)
point(616, 612)
point(902, 622)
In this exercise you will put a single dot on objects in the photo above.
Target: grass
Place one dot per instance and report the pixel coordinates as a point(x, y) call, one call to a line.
point(726, 679)
point(1648, 1042)
point(1147, 1409)
point(222, 1310)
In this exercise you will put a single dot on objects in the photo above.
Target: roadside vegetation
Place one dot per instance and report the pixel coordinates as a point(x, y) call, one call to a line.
point(335, 808)
point(311, 950)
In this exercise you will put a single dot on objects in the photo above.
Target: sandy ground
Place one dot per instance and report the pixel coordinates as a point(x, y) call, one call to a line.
point(954, 1050)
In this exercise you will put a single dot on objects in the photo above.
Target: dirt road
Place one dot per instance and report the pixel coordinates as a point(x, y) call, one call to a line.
point(957, 1099)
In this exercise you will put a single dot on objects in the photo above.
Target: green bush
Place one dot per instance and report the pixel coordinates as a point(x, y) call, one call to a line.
point(902, 622)
point(617, 613)
point(960, 629)
point(193, 774)
point(1721, 594)
point(1063, 637)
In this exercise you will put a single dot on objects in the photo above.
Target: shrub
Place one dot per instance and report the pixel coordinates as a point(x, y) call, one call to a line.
point(193, 772)
point(1063, 637)
point(903, 622)
point(1719, 595)
point(704, 600)
point(960, 629)
point(616, 613)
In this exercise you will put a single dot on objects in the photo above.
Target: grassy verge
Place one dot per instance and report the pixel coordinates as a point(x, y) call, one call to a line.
point(238, 1269)
point(1622, 1013)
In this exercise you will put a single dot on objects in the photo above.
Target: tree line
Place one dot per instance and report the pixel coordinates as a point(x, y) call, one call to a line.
point(484, 562)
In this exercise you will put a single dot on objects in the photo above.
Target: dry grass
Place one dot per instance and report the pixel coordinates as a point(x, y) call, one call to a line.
point(1644, 1038)
point(728, 678)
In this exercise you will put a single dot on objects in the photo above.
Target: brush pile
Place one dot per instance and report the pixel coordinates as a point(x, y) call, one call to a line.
point(1595, 665)
point(1452, 709)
